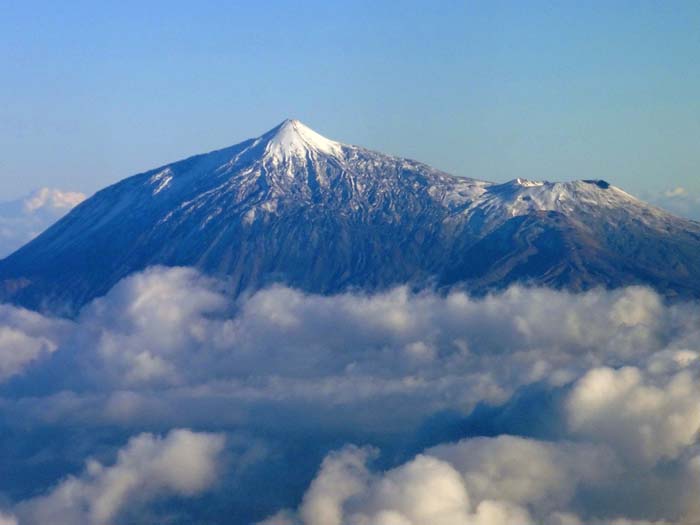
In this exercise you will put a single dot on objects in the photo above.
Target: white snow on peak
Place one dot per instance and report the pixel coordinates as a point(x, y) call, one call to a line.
point(294, 139)
point(528, 183)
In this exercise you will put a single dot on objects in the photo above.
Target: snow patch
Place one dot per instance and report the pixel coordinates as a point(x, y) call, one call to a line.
point(162, 179)
point(249, 217)
point(528, 183)
point(270, 206)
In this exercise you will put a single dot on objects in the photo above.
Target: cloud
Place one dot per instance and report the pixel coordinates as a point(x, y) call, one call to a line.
point(55, 201)
point(679, 201)
point(150, 322)
point(24, 338)
point(17, 350)
point(525, 471)
point(412, 354)
point(531, 405)
point(25, 218)
point(183, 463)
point(643, 420)
point(505, 480)
point(676, 192)
point(343, 474)
point(496, 481)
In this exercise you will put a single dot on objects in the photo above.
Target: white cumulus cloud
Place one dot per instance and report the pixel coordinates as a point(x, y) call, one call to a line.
point(644, 419)
point(182, 463)
point(487, 481)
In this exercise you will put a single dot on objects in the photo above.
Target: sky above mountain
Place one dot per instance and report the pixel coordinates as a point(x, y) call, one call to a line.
point(492, 90)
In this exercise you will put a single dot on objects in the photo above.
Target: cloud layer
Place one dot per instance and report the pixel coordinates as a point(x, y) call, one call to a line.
point(528, 406)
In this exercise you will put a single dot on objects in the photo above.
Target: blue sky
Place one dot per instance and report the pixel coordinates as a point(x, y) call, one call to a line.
point(95, 91)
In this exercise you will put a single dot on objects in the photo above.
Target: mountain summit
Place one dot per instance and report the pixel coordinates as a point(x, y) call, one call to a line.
point(293, 139)
point(294, 207)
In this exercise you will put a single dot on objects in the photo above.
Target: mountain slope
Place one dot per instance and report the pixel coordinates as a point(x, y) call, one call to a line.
point(294, 207)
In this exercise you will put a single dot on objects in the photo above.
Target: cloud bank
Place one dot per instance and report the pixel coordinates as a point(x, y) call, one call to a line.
point(527, 406)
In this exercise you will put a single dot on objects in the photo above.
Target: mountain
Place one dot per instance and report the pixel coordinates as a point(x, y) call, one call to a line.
point(23, 219)
point(294, 207)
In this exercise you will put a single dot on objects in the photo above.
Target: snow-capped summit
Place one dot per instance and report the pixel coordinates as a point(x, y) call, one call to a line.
point(293, 139)
point(295, 207)
point(527, 183)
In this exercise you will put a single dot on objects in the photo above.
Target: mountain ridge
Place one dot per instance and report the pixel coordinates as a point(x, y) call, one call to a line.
point(292, 206)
